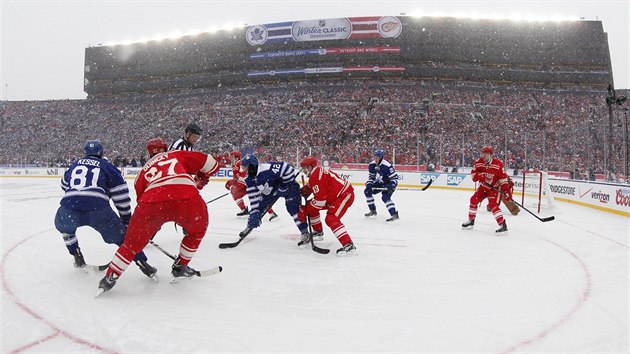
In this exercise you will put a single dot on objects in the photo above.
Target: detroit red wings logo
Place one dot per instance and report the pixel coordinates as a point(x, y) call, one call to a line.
point(389, 27)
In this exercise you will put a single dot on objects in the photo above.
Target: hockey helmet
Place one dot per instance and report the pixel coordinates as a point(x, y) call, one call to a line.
point(379, 153)
point(487, 150)
point(93, 148)
point(156, 146)
point(193, 128)
point(249, 159)
point(308, 161)
point(236, 154)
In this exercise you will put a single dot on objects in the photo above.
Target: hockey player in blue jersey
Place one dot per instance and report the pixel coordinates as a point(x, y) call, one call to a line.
point(382, 177)
point(266, 182)
point(89, 184)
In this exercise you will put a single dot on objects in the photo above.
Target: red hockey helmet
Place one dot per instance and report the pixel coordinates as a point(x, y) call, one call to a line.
point(487, 150)
point(308, 161)
point(236, 154)
point(156, 146)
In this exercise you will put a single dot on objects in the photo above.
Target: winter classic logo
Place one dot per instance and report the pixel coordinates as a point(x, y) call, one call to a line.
point(256, 35)
point(389, 27)
point(317, 30)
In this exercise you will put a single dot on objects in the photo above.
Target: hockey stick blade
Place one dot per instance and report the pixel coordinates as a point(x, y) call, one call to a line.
point(98, 268)
point(208, 272)
point(242, 236)
point(548, 218)
point(199, 273)
point(315, 248)
point(320, 250)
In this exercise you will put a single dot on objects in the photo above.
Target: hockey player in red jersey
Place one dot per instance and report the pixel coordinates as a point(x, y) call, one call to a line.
point(166, 191)
point(491, 177)
point(332, 193)
point(237, 186)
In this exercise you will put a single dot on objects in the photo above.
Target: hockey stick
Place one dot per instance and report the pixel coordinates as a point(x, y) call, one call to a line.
point(98, 268)
point(245, 232)
point(406, 189)
point(217, 198)
point(548, 218)
point(162, 250)
point(199, 273)
point(310, 231)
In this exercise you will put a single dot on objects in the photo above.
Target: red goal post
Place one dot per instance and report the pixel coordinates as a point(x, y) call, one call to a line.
point(535, 191)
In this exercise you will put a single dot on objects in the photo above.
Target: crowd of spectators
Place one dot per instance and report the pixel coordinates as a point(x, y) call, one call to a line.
point(415, 123)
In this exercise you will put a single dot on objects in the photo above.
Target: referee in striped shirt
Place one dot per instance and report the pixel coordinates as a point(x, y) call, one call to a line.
point(188, 141)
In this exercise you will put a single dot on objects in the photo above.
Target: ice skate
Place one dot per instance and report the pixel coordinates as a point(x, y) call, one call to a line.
point(181, 272)
point(243, 212)
point(393, 217)
point(273, 216)
point(318, 236)
point(348, 249)
point(106, 284)
point(79, 261)
point(147, 269)
point(305, 239)
point(502, 230)
point(468, 225)
point(370, 213)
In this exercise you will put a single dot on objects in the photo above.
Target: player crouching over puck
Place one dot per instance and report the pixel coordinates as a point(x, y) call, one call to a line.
point(332, 193)
point(166, 191)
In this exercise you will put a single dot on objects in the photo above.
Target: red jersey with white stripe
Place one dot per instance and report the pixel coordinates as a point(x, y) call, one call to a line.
point(167, 176)
point(489, 175)
point(238, 174)
point(327, 186)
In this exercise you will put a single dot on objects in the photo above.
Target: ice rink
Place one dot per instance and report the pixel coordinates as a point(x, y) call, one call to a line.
point(418, 285)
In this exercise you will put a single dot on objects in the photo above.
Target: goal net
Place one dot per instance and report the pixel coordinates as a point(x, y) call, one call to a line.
point(535, 191)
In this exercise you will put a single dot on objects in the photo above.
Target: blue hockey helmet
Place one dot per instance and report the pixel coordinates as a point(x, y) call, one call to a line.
point(249, 159)
point(93, 148)
point(379, 152)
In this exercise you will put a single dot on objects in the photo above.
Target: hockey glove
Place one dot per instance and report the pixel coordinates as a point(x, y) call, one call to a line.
point(306, 191)
point(475, 177)
point(201, 180)
point(507, 192)
point(229, 183)
point(254, 219)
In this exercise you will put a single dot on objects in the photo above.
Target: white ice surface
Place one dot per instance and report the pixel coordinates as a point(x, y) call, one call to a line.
point(421, 284)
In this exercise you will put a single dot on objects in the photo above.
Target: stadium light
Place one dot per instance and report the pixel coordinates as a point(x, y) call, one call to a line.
point(158, 38)
point(175, 34)
point(193, 32)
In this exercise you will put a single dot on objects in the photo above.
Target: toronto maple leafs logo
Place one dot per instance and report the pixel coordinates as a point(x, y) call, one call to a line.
point(256, 35)
point(265, 189)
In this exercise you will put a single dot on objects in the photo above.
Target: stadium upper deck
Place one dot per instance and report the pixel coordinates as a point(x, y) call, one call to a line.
point(547, 54)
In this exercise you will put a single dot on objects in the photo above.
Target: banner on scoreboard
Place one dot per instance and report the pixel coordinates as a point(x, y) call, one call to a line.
point(324, 29)
point(325, 51)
